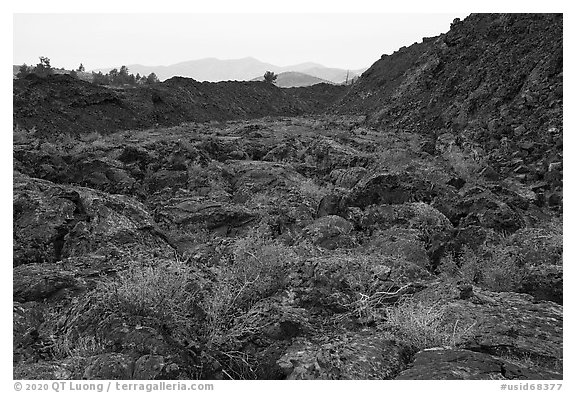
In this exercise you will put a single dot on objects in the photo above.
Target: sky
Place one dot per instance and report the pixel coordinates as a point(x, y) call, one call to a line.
point(348, 41)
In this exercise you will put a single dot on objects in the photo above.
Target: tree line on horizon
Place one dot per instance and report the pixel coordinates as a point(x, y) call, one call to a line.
point(114, 77)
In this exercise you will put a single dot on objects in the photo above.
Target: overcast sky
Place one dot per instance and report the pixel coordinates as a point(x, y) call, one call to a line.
point(348, 41)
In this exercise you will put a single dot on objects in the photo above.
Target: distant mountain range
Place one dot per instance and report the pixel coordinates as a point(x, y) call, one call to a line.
point(295, 79)
point(248, 68)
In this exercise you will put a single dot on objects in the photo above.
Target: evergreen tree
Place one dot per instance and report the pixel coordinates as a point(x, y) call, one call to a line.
point(113, 76)
point(270, 77)
point(123, 76)
point(152, 78)
point(100, 79)
point(43, 68)
point(23, 71)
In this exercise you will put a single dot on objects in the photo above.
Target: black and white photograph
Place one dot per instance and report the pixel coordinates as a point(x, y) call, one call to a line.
point(206, 197)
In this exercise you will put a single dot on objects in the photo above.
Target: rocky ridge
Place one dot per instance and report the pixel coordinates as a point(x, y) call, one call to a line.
point(61, 104)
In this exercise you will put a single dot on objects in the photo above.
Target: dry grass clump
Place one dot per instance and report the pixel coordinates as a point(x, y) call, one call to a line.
point(465, 166)
point(364, 284)
point(23, 135)
point(497, 269)
point(82, 348)
point(259, 269)
point(166, 291)
point(309, 189)
point(425, 324)
point(504, 266)
point(208, 180)
point(543, 245)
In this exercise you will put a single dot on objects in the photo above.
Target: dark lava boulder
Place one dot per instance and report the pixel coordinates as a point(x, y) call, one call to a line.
point(472, 237)
point(51, 370)
point(123, 338)
point(482, 207)
point(284, 152)
point(508, 324)
point(336, 281)
point(330, 232)
point(109, 366)
point(102, 174)
point(138, 155)
point(93, 169)
point(167, 179)
point(402, 243)
point(263, 334)
point(330, 205)
point(36, 282)
point(326, 154)
point(389, 188)
point(350, 355)
point(461, 364)
point(431, 226)
point(52, 221)
point(118, 366)
point(249, 178)
point(192, 213)
point(348, 178)
point(26, 338)
point(42, 212)
point(544, 282)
